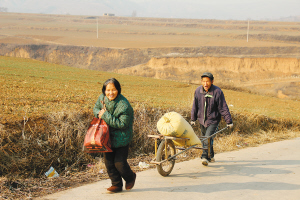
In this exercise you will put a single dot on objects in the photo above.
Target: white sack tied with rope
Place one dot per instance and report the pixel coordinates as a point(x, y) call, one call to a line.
point(173, 124)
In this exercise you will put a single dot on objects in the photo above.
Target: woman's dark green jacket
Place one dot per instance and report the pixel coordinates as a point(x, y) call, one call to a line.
point(119, 116)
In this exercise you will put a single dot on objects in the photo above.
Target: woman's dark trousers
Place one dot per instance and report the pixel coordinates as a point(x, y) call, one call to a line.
point(117, 166)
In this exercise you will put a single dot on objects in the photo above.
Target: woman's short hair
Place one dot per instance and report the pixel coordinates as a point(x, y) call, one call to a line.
point(113, 81)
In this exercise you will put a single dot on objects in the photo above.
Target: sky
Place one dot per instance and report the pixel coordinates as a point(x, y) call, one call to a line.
point(191, 9)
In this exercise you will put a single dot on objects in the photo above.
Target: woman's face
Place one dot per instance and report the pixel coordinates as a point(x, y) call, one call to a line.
point(111, 91)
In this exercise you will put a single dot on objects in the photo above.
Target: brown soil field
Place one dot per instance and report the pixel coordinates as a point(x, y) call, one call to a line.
point(175, 49)
point(128, 32)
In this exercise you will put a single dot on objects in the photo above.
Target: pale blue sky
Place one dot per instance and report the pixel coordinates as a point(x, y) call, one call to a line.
point(198, 9)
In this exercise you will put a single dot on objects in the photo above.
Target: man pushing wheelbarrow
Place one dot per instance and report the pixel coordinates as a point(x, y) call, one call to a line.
point(208, 106)
point(176, 133)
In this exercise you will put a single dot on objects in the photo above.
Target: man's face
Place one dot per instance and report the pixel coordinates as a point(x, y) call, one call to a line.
point(206, 82)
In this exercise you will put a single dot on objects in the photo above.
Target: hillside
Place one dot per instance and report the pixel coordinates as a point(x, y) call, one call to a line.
point(33, 88)
point(279, 77)
point(173, 49)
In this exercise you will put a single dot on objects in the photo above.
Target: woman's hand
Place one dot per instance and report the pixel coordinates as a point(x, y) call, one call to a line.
point(102, 111)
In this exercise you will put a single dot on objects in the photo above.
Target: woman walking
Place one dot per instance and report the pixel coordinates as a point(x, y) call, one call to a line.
point(117, 112)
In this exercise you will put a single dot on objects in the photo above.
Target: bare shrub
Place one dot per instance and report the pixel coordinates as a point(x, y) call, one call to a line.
point(236, 140)
point(28, 148)
point(145, 123)
point(55, 140)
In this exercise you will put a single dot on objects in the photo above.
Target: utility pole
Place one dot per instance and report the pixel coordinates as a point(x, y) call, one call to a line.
point(248, 31)
point(97, 27)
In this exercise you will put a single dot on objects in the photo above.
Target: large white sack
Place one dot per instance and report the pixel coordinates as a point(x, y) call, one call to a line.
point(173, 124)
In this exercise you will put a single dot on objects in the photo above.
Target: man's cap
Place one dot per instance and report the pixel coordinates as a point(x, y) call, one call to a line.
point(208, 74)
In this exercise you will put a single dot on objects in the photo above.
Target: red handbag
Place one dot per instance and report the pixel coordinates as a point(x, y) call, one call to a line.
point(97, 137)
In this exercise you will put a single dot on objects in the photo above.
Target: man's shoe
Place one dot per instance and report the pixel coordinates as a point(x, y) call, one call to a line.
point(114, 189)
point(204, 161)
point(212, 160)
point(130, 185)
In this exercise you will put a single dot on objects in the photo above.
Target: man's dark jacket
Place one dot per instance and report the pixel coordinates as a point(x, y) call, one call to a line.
point(216, 106)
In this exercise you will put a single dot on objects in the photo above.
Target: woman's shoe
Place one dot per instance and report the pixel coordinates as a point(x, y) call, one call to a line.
point(130, 185)
point(114, 189)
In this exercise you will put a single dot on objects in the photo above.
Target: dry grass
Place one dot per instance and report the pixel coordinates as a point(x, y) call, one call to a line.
point(28, 148)
point(83, 168)
point(237, 141)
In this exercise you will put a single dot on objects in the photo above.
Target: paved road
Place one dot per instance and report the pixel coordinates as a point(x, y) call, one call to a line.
point(270, 171)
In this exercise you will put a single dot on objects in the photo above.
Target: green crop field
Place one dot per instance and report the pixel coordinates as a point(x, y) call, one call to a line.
point(31, 88)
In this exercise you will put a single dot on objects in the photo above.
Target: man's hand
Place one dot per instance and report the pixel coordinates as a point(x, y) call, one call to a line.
point(230, 126)
point(193, 123)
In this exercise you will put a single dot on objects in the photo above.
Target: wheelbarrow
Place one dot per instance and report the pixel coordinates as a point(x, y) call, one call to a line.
point(165, 154)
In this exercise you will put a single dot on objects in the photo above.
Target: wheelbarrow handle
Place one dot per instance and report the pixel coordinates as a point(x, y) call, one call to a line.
point(214, 133)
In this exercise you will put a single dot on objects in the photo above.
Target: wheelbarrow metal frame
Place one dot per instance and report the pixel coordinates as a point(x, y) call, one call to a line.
point(156, 137)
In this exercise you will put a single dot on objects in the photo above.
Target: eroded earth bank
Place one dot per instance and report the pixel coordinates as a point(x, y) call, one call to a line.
point(271, 70)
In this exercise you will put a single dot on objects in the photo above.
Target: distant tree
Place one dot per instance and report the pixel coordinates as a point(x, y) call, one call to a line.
point(3, 9)
point(133, 14)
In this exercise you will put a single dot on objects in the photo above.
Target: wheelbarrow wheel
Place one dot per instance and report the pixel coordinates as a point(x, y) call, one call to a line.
point(166, 167)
